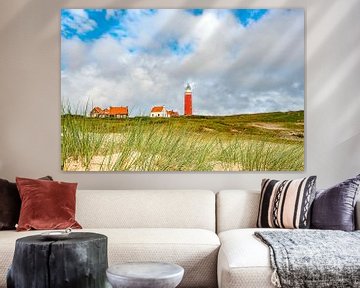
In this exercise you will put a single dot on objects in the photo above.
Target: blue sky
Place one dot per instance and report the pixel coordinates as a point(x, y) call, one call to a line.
point(238, 61)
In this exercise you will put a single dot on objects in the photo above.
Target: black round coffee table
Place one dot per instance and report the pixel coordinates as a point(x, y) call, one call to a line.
point(80, 261)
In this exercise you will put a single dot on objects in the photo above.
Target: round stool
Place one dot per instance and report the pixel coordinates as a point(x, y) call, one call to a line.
point(80, 261)
point(145, 275)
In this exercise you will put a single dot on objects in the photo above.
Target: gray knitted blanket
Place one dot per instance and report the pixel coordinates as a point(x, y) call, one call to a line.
point(313, 258)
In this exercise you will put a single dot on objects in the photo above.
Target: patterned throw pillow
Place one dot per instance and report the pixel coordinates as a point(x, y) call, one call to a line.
point(286, 204)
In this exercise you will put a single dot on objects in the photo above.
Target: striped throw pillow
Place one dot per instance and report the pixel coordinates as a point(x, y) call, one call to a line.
point(286, 204)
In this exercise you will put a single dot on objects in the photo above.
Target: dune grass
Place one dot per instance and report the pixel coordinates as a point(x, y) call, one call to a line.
point(231, 143)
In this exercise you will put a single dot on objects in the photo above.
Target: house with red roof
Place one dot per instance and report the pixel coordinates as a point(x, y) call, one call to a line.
point(158, 111)
point(172, 113)
point(118, 112)
point(96, 112)
point(113, 112)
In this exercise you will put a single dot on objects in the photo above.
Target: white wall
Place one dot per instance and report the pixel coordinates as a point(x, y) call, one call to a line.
point(30, 95)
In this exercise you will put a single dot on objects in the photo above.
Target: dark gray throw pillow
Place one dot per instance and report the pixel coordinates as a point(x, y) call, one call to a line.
point(10, 204)
point(334, 208)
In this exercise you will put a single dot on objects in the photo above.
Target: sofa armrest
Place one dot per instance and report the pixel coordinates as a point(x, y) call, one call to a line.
point(357, 215)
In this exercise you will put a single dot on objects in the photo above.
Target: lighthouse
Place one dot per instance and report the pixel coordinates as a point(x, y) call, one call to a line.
point(188, 101)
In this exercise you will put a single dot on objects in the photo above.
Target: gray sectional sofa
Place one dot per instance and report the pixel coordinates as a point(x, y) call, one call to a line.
point(210, 235)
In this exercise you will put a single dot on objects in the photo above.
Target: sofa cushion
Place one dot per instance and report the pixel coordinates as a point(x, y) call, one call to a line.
point(334, 208)
point(286, 204)
point(10, 204)
point(46, 204)
point(236, 209)
point(244, 261)
point(146, 209)
point(194, 249)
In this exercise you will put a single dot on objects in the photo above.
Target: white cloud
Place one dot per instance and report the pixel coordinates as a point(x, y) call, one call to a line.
point(110, 13)
point(233, 69)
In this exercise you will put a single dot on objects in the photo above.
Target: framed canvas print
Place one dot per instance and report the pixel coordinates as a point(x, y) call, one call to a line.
point(182, 89)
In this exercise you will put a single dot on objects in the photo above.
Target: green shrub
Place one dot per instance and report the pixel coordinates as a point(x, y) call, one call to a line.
point(178, 144)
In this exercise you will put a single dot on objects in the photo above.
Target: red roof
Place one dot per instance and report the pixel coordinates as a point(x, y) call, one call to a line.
point(173, 113)
point(157, 109)
point(97, 110)
point(118, 111)
point(111, 111)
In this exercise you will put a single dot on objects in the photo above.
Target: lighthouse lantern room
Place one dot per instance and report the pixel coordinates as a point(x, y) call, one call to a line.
point(188, 101)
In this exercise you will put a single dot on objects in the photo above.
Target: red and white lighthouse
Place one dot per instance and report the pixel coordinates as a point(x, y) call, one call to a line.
point(188, 101)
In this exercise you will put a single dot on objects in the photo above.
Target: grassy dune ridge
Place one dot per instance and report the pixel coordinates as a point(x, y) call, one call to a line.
point(265, 141)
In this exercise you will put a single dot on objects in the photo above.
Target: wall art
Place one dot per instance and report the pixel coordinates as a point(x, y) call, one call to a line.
point(182, 89)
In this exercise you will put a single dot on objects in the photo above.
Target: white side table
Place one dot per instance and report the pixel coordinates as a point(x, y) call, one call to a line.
point(145, 275)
